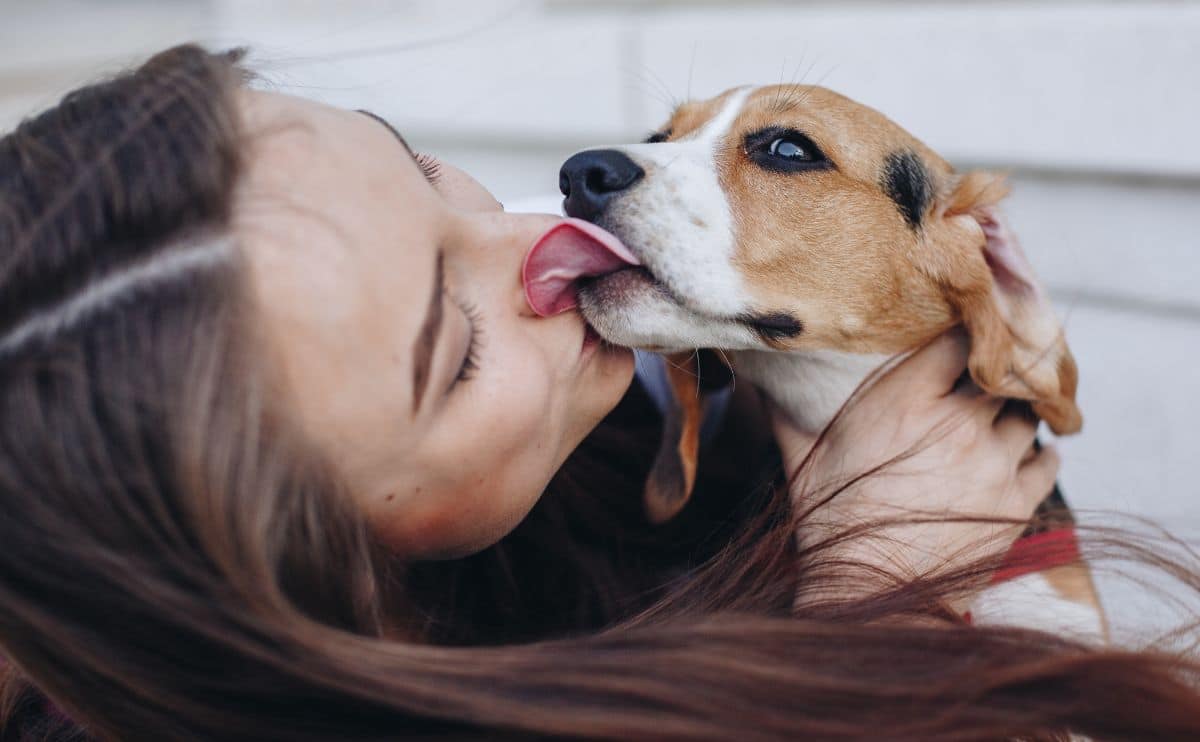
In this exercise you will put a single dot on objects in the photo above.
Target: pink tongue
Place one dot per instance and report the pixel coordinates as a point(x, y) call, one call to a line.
point(568, 251)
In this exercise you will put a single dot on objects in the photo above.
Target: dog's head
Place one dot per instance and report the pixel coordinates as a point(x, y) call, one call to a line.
point(791, 218)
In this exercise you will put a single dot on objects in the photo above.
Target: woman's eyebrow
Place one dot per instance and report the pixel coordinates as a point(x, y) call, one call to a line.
point(427, 338)
point(426, 342)
point(389, 127)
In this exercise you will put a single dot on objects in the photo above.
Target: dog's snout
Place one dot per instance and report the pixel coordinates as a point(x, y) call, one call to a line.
point(589, 180)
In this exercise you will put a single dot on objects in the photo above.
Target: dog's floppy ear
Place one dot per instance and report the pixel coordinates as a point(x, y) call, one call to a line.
point(691, 377)
point(1017, 345)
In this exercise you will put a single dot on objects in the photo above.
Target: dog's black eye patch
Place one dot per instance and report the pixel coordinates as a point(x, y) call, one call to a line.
point(775, 326)
point(906, 181)
point(658, 136)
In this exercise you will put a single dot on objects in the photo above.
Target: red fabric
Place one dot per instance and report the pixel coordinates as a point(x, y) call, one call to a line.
point(1036, 553)
point(1039, 552)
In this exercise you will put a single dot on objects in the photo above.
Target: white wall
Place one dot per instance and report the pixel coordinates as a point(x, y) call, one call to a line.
point(1093, 106)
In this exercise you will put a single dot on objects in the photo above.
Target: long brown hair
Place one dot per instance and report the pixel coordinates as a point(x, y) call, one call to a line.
point(176, 562)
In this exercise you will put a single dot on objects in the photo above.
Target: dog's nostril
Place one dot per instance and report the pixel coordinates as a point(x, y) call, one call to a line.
point(590, 179)
point(597, 181)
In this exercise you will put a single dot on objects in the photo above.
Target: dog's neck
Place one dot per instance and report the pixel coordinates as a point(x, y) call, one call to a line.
point(810, 386)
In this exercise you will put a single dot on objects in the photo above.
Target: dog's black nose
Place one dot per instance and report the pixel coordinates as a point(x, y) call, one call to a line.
point(590, 179)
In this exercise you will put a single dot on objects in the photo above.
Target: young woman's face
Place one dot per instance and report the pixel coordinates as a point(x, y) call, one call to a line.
point(392, 302)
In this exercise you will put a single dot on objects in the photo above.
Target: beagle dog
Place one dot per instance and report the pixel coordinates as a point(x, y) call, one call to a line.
point(810, 239)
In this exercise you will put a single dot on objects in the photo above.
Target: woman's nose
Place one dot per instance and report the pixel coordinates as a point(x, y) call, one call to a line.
point(589, 180)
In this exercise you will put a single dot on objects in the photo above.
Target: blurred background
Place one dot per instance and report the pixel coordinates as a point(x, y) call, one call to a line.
point(1092, 106)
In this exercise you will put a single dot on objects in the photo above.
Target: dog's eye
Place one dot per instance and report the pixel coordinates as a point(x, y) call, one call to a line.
point(785, 150)
point(789, 148)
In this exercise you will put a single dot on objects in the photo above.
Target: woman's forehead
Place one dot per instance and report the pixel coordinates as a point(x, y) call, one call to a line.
point(308, 162)
point(305, 145)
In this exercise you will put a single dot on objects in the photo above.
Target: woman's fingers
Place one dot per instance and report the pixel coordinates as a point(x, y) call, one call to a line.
point(936, 367)
point(1035, 478)
point(1016, 428)
point(987, 409)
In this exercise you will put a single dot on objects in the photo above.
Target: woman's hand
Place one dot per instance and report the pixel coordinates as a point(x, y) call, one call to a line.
point(956, 453)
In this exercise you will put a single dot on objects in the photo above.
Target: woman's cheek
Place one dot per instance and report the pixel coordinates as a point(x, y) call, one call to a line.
point(524, 395)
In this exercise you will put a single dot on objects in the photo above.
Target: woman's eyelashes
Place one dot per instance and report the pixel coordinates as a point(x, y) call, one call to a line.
point(430, 166)
point(470, 361)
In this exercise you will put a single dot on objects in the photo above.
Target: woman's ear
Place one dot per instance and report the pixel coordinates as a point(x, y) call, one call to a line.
point(1018, 349)
point(691, 376)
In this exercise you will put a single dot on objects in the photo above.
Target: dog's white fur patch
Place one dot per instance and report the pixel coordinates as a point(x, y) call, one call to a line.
point(810, 386)
point(678, 219)
point(1031, 601)
point(644, 318)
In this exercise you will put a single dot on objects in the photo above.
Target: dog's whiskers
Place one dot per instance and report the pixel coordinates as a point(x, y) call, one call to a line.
point(652, 85)
point(672, 100)
point(728, 364)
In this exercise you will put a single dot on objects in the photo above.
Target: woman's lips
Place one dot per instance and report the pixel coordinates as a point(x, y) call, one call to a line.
point(591, 339)
point(568, 251)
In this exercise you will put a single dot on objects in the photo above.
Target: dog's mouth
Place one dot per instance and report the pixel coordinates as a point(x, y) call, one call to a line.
point(611, 288)
point(577, 262)
point(576, 257)
point(566, 256)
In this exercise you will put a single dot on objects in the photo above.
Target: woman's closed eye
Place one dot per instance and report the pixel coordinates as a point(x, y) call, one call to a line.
point(470, 361)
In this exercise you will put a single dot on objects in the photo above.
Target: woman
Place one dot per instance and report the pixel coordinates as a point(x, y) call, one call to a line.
point(261, 364)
